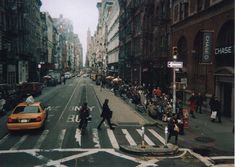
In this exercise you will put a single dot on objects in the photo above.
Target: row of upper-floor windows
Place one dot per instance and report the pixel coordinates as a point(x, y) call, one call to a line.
point(184, 8)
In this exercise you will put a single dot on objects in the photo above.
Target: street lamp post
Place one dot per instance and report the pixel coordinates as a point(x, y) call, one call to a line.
point(175, 53)
point(39, 72)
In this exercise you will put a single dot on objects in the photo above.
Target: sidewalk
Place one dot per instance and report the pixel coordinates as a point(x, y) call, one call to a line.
point(125, 112)
point(121, 110)
point(202, 134)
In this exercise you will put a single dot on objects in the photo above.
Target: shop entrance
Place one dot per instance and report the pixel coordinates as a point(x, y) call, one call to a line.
point(227, 99)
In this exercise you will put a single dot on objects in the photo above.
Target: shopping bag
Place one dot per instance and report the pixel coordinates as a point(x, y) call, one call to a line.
point(213, 114)
point(176, 128)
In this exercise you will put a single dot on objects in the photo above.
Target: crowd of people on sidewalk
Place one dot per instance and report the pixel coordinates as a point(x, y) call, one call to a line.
point(159, 105)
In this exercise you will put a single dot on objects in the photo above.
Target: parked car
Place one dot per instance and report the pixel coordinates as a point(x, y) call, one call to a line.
point(27, 115)
point(56, 76)
point(9, 97)
point(32, 88)
point(67, 75)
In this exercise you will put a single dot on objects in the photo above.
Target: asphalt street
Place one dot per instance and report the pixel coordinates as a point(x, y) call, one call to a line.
point(61, 143)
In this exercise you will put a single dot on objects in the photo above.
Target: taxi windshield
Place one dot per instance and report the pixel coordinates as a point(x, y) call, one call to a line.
point(26, 109)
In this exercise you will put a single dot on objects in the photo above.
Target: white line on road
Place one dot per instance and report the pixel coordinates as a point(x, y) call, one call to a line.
point(129, 138)
point(159, 137)
point(112, 139)
point(96, 138)
point(41, 139)
point(61, 138)
point(4, 139)
point(60, 161)
point(68, 103)
point(78, 136)
point(146, 139)
point(17, 145)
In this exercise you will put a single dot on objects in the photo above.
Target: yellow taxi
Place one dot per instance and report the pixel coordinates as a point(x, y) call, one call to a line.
point(27, 115)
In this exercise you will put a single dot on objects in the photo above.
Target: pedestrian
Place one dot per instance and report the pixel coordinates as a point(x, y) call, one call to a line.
point(157, 93)
point(64, 80)
point(199, 102)
point(211, 102)
point(106, 115)
point(216, 106)
point(84, 114)
point(173, 129)
point(192, 104)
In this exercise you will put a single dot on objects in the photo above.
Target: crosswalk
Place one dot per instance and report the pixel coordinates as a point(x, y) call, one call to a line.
point(72, 138)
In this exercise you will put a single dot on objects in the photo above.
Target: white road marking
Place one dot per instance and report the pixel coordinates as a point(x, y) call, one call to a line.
point(4, 139)
point(129, 138)
point(96, 138)
point(146, 138)
point(41, 139)
point(159, 137)
point(68, 103)
point(21, 141)
point(58, 162)
point(61, 138)
point(112, 139)
point(78, 136)
point(73, 118)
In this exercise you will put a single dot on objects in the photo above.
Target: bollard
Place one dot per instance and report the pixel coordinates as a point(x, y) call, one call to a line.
point(166, 135)
point(143, 145)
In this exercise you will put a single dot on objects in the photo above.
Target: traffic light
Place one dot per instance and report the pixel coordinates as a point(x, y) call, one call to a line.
point(174, 52)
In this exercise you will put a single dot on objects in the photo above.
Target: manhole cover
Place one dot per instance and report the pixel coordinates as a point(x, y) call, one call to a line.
point(204, 139)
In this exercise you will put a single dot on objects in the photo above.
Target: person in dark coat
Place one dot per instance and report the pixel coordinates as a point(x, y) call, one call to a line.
point(199, 102)
point(216, 106)
point(172, 131)
point(84, 113)
point(106, 115)
point(192, 104)
point(211, 102)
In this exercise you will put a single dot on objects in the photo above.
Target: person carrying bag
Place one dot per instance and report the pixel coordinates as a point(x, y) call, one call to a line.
point(106, 115)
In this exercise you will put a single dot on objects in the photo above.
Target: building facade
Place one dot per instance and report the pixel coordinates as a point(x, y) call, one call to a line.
point(203, 31)
point(113, 39)
point(22, 41)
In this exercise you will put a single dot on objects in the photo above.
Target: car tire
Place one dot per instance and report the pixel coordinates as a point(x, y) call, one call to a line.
point(43, 126)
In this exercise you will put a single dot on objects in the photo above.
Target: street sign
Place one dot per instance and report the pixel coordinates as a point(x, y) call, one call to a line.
point(175, 64)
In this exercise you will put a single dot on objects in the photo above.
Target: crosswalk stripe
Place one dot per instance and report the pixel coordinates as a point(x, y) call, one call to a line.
point(112, 139)
point(146, 138)
point(61, 138)
point(78, 136)
point(17, 145)
point(96, 138)
point(129, 138)
point(159, 137)
point(41, 139)
point(4, 139)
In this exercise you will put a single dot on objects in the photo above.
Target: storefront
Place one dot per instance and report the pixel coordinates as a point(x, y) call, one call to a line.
point(224, 69)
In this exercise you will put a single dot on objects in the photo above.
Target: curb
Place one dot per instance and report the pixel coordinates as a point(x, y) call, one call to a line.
point(150, 150)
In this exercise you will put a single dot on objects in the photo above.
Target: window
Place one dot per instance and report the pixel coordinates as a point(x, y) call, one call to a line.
point(207, 3)
point(186, 6)
point(176, 12)
point(199, 5)
point(26, 109)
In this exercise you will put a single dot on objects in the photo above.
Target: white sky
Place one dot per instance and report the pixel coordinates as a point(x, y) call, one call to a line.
point(83, 14)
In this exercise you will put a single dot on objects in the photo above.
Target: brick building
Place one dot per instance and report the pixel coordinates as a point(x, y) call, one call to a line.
point(203, 31)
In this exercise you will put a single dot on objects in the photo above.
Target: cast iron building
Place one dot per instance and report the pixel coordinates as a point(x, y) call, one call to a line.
point(144, 41)
point(22, 43)
point(203, 31)
point(4, 41)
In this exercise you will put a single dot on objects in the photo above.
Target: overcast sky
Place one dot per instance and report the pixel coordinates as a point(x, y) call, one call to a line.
point(83, 14)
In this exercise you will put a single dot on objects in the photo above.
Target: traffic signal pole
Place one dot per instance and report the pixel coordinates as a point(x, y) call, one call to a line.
point(175, 53)
point(174, 91)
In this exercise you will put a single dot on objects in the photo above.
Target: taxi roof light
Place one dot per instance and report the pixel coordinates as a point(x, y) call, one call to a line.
point(30, 100)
